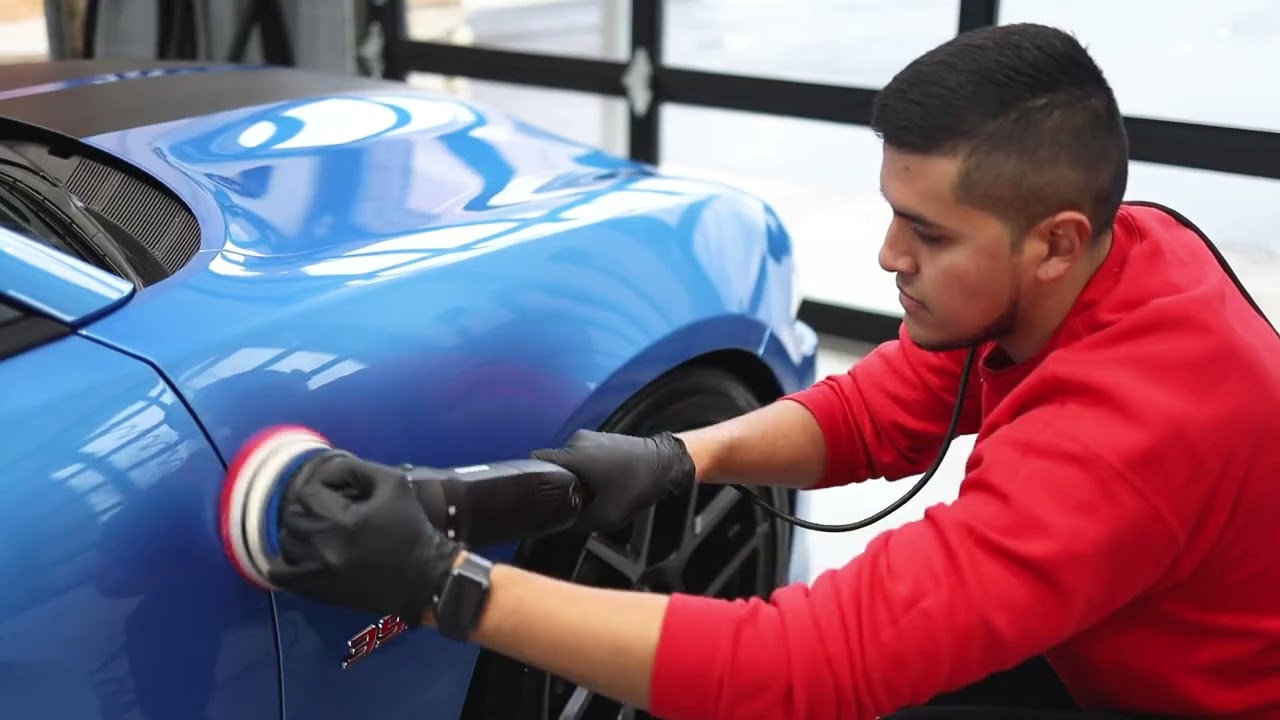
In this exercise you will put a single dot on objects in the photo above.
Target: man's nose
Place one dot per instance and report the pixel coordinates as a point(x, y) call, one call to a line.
point(894, 257)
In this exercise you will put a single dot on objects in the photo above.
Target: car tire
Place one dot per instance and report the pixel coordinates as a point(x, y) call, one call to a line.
point(711, 542)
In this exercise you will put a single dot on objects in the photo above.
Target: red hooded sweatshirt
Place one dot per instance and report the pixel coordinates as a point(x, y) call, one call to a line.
point(1120, 512)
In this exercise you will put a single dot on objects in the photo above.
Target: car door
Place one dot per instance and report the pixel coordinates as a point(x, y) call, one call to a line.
point(115, 599)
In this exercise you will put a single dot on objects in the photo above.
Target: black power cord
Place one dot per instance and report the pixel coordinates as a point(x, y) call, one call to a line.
point(906, 498)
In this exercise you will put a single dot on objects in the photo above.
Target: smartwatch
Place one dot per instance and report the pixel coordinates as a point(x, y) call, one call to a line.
point(463, 599)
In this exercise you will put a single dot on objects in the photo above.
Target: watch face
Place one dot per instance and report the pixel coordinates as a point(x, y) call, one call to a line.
point(464, 598)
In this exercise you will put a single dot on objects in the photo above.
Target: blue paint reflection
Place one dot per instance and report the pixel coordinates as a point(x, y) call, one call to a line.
point(304, 175)
point(119, 601)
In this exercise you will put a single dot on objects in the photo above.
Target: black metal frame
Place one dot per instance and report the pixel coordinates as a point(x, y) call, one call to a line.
point(646, 82)
point(268, 17)
point(176, 31)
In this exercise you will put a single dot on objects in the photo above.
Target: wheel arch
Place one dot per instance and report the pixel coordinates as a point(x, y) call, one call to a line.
point(748, 367)
point(743, 345)
point(753, 378)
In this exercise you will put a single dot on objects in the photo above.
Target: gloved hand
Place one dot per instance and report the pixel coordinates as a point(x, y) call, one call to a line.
point(353, 534)
point(623, 474)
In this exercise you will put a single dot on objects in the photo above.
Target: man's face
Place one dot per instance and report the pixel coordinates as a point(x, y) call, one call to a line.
point(957, 267)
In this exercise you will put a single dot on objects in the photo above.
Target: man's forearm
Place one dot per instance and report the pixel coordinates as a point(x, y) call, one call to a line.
point(604, 640)
point(780, 444)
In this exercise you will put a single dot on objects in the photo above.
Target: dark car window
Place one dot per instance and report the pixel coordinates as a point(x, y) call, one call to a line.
point(8, 315)
point(103, 212)
point(17, 216)
point(21, 331)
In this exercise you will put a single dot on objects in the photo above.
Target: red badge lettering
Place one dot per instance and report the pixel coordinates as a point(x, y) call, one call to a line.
point(371, 638)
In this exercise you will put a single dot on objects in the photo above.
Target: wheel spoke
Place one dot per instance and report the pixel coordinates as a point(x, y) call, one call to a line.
point(698, 542)
point(576, 575)
point(735, 563)
point(690, 515)
point(576, 707)
point(642, 536)
point(719, 506)
point(614, 558)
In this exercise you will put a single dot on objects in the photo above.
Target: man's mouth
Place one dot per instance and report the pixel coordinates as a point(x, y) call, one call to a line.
point(908, 301)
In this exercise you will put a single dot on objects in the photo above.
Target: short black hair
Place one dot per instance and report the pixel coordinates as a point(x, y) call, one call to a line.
point(1029, 113)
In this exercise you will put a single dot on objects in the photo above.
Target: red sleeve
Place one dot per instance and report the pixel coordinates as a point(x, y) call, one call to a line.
point(1044, 539)
point(886, 416)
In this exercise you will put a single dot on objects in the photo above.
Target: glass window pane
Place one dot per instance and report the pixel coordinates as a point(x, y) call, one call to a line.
point(1188, 60)
point(583, 117)
point(23, 34)
point(822, 178)
point(599, 29)
point(843, 42)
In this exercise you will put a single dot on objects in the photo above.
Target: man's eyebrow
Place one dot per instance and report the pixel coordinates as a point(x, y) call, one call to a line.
point(917, 218)
point(912, 216)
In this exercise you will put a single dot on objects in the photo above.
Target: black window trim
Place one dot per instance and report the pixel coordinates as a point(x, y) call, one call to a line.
point(28, 331)
point(24, 151)
point(73, 223)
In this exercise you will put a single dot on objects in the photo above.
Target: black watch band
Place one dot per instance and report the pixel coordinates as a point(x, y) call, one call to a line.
point(463, 599)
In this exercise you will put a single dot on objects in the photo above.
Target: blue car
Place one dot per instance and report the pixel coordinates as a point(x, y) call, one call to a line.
point(191, 253)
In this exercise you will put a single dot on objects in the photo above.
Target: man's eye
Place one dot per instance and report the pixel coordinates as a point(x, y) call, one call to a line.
point(925, 236)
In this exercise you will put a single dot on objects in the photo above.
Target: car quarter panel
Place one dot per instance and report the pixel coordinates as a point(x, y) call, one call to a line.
point(406, 255)
point(430, 282)
point(115, 601)
point(471, 359)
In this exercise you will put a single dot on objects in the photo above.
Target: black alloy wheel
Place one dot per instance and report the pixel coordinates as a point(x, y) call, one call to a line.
point(711, 542)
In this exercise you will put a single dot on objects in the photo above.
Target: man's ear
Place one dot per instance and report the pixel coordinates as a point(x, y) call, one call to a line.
point(1064, 239)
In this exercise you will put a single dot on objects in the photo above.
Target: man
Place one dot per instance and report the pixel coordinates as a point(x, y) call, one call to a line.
point(1118, 510)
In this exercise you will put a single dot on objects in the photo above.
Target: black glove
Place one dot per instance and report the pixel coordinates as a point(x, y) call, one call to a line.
point(622, 474)
point(353, 534)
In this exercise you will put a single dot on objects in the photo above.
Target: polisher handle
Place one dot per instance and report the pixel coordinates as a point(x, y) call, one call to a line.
point(501, 502)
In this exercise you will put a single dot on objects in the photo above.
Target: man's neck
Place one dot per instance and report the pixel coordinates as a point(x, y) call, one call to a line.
point(1042, 319)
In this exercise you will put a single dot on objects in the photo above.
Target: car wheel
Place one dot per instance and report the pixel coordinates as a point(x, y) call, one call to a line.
point(712, 542)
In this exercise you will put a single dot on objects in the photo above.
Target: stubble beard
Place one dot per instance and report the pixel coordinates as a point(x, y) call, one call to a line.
point(999, 328)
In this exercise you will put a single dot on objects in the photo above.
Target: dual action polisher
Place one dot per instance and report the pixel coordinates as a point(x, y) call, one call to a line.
point(479, 505)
